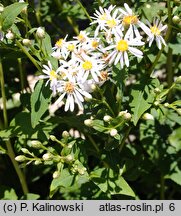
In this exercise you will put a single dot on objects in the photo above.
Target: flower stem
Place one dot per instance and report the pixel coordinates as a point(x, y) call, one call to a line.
point(28, 55)
point(22, 79)
point(9, 147)
point(124, 138)
point(162, 187)
point(84, 9)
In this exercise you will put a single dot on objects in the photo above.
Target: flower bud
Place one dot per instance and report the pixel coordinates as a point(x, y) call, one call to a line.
point(36, 144)
point(166, 104)
point(175, 19)
point(65, 134)
point(26, 42)
point(37, 162)
point(93, 87)
point(127, 116)
point(20, 158)
point(40, 33)
point(107, 118)
point(178, 80)
point(69, 158)
point(47, 157)
point(24, 10)
point(10, 35)
point(25, 151)
point(157, 90)
point(56, 174)
point(147, 116)
point(1, 8)
point(81, 171)
point(53, 138)
point(88, 122)
point(113, 132)
point(156, 103)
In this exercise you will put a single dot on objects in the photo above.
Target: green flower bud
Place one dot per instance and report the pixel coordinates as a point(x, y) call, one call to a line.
point(47, 157)
point(156, 103)
point(25, 151)
point(37, 162)
point(69, 158)
point(1, 8)
point(26, 42)
point(107, 118)
point(166, 104)
point(10, 35)
point(36, 144)
point(157, 90)
point(40, 33)
point(53, 138)
point(147, 116)
point(88, 122)
point(113, 132)
point(178, 80)
point(56, 174)
point(65, 134)
point(20, 158)
point(175, 19)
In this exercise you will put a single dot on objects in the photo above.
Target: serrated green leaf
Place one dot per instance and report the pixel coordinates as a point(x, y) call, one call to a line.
point(111, 182)
point(40, 100)
point(142, 98)
point(10, 13)
point(175, 139)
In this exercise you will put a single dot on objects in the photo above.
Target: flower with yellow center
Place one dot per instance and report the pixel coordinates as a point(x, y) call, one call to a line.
point(154, 33)
point(71, 47)
point(87, 65)
point(69, 87)
point(111, 23)
point(73, 93)
point(130, 19)
point(59, 43)
point(120, 50)
point(51, 75)
point(95, 44)
point(155, 30)
point(122, 45)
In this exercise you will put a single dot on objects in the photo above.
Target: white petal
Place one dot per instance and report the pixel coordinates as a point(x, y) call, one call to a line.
point(79, 96)
point(126, 59)
point(136, 52)
point(128, 9)
point(60, 98)
point(117, 58)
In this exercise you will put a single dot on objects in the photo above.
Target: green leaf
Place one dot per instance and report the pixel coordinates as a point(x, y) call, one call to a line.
point(175, 174)
point(40, 100)
point(31, 196)
point(10, 13)
point(175, 139)
point(111, 182)
point(64, 180)
point(142, 97)
point(8, 194)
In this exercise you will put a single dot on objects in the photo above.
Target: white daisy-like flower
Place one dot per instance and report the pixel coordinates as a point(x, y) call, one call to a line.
point(154, 33)
point(100, 18)
point(90, 65)
point(51, 75)
point(59, 50)
point(121, 48)
point(82, 37)
point(130, 20)
point(74, 93)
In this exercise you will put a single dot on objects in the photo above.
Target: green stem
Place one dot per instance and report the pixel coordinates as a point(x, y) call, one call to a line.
point(9, 147)
point(73, 24)
point(84, 9)
point(124, 139)
point(22, 78)
point(93, 143)
point(28, 55)
point(162, 187)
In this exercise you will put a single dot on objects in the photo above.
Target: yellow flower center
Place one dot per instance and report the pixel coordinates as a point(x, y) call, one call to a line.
point(130, 19)
point(81, 37)
point(87, 65)
point(71, 47)
point(69, 87)
point(155, 30)
point(122, 46)
point(53, 75)
point(111, 23)
point(59, 43)
point(95, 44)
